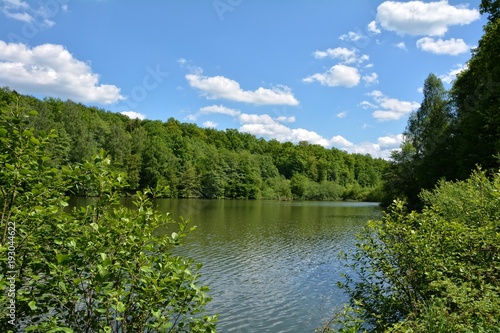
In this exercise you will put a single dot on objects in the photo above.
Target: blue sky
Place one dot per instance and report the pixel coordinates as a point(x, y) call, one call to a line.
point(342, 74)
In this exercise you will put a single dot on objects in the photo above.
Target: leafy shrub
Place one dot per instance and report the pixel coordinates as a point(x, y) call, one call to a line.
point(434, 271)
point(99, 268)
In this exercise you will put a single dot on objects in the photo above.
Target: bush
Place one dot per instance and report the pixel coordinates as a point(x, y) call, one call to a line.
point(100, 268)
point(434, 271)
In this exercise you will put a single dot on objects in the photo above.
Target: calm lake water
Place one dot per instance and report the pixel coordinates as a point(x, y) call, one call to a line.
point(271, 266)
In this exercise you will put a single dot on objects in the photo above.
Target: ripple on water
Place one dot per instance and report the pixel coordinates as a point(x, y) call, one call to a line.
point(277, 276)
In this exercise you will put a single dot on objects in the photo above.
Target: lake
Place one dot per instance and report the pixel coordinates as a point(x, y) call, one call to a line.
point(271, 266)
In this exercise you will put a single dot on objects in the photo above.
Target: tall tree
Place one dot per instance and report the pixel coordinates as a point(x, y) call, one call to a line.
point(476, 98)
point(428, 131)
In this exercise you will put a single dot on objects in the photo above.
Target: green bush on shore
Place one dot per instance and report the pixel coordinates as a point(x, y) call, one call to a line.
point(433, 271)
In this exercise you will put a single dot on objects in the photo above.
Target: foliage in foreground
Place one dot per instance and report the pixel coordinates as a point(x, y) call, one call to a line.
point(434, 271)
point(99, 268)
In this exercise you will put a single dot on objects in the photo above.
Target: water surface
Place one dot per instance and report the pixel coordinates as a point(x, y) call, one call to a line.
point(271, 266)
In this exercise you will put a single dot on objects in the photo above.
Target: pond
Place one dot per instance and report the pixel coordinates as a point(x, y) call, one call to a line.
point(271, 266)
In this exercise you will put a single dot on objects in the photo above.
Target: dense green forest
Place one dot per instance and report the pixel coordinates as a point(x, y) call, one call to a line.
point(199, 162)
point(433, 263)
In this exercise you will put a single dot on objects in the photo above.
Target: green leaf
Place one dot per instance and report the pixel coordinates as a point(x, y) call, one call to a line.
point(62, 258)
point(61, 329)
point(120, 307)
point(146, 269)
point(34, 140)
point(62, 285)
point(32, 305)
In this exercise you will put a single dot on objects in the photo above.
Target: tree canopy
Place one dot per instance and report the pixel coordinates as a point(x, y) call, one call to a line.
point(199, 162)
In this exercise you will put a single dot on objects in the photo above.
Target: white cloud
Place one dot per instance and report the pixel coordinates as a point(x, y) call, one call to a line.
point(382, 148)
point(24, 12)
point(134, 115)
point(438, 46)
point(216, 87)
point(282, 133)
point(345, 55)
point(283, 119)
point(389, 108)
point(51, 70)
point(401, 46)
point(373, 27)
point(370, 79)
point(214, 109)
point(15, 4)
point(340, 141)
point(263, 119)
point(421, 18)
point(452, 74)
point(390, 141)
point(220, 109)
point(209, 124)
point(352, 36)
point(341, 114)
point(264, 125)
point(337, 75)
point(367, 105)
point(181, 62)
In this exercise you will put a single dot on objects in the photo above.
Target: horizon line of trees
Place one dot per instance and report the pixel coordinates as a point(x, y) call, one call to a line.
point(196, 162)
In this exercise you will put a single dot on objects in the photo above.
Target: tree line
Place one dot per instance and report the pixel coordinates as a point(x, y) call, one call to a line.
point(196, 162)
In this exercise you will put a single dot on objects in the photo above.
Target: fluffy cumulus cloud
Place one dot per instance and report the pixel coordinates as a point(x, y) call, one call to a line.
point(209, 124)
point(220, 109)
point(284, 119)
point(344, 55)
point(352, 36)
point(423, 18)
point(220, 87)
point(370, 79)
point(387, 108)
point(401, 45)
point(263, 125)
point(282, 133)
point(391, 141)
point(50, 69)
point(214, 109)
point(439, 46)
point(382, 148)
point(345, 73)
point(134, 115)
point(373, 28)
point(337, 75)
